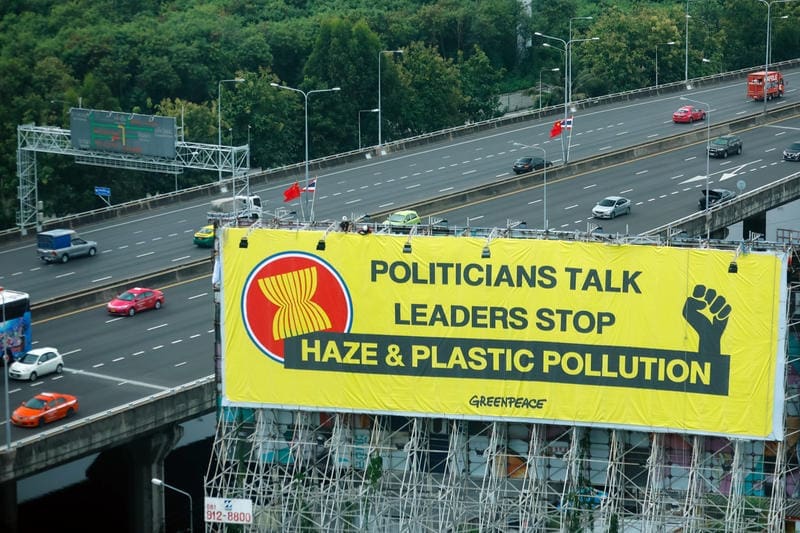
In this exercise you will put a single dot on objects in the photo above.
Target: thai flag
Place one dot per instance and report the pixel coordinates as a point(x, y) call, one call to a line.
point(567, 123)
point(312, 186)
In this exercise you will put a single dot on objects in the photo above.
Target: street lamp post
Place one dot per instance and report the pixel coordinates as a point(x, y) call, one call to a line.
point(768, 44)
point(80, 102)
point(686, 32)
point(708, 157)
point(158, 483)
point(540, 82)
point(219, 122)
point(668, 43)
point(544, 186)
point(570, 57)
point(5, 373)
point(380, 54)
point(375, 110)
point(567, 81)
point(783, 17)
point(306, 94)
point(544, 182)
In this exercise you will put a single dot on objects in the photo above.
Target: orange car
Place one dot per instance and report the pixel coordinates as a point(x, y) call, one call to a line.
point(44, 407)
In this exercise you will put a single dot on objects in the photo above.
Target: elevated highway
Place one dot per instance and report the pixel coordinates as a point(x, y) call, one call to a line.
point(122, 424)
point(149, 423)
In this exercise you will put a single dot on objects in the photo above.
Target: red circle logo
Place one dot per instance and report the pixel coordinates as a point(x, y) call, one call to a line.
point(290, 294)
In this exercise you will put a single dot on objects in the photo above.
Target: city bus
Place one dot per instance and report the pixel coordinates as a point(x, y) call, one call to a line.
point(15, 323)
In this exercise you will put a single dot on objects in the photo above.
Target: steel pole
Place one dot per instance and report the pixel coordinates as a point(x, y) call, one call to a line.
point(305, 129)
point(544, 186)
point(708, 157)
point(567, 84)
point(159, 483)
point(219, 131)
point(305, 115)
point(766, 56)
point(5, 374)
point(686, 65)
point(380, 138)
point(656, 66)
point(219, 123)
point(380, 113)
point(768, 44)
point(570, 57)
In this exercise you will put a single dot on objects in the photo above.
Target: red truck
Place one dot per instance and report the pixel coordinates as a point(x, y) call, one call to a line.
point(756, 85)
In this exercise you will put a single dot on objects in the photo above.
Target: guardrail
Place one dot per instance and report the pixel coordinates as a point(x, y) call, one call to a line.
point(277, 173)
point(744, 206)
point(515, 183)
point(84, 421)
point(51, 307)
point(102, 431)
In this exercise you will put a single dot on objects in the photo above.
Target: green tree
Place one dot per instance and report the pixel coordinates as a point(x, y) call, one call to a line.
point(432, 95)
point(480, 83)
point(624, 58)
point(291, 42)
point(493, 29)
point(345, 55)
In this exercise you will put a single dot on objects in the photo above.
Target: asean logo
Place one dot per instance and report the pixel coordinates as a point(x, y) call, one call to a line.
point(291, 294)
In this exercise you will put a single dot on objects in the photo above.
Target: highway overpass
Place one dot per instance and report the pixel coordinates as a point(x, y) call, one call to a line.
point(155, 418)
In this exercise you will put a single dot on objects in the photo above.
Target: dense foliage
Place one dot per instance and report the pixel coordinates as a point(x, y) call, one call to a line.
point(168, 57)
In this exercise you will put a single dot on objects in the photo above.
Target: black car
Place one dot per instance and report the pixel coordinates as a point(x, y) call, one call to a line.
point(792, 152)
point(715, 196)
point(526, 164)
point(724, 146)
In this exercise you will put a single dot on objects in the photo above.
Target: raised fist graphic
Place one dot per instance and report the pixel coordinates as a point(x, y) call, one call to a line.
point(707, 312)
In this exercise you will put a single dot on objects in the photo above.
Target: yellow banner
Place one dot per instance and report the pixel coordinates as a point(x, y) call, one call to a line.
point(626, 336)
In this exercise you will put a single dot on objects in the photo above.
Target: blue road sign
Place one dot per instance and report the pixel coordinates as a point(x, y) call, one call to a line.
point(102, 191)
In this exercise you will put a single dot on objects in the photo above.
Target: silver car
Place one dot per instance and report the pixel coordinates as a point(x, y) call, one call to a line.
point(36, 363)
point(611, 206)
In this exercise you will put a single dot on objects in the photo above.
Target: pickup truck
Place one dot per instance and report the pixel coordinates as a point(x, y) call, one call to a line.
point(60, 245)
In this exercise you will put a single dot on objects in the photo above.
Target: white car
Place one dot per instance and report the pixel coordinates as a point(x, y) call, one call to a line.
point(611, 206)
point(37, 362)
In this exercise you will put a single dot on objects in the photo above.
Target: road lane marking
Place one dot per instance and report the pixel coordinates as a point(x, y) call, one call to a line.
point(120, 381)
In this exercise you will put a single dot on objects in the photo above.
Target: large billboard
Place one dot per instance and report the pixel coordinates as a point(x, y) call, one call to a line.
point(129, 133)
point(614, 335)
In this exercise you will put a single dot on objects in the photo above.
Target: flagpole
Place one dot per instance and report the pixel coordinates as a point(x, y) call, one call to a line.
point(313, 199)
point(569, 141)
point(302, 211)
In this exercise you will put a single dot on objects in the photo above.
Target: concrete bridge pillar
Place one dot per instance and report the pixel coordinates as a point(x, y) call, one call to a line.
point(148, 462)
point(128, 471)
point(8, 506)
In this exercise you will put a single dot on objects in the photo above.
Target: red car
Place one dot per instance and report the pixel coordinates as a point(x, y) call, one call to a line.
point(134, 300)
point(44, 407)
point(688, 114)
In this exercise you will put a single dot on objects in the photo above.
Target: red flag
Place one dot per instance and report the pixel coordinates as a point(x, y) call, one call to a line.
point(292, 192)
point(555, 131)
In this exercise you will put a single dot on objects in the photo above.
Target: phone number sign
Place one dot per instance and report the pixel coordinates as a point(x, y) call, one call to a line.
point(229, 510)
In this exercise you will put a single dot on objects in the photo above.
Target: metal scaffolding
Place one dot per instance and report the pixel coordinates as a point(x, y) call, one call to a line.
point(33, 139)
point(342, 472)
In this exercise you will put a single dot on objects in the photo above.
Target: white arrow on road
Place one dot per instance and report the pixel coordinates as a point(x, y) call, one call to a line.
point(731, 173)
point(726, 175)
point(691, 180)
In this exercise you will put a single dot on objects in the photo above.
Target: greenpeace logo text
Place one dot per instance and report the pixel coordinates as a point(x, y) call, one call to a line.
point(518, 402)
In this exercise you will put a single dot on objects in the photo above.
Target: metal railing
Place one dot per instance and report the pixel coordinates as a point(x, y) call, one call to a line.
point(277, 173)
